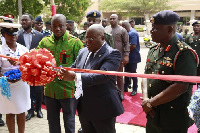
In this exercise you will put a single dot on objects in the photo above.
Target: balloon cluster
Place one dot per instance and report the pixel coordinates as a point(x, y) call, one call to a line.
point(36, 67)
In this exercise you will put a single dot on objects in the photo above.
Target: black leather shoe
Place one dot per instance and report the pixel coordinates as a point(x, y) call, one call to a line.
point(133, 93)
point(80, 130)
point(122, 97)
point(39, 114)
point(1, 123)
point(29, 116)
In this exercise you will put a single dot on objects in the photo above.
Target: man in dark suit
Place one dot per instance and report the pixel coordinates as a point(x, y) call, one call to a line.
point(100, 101)
point(30, 38)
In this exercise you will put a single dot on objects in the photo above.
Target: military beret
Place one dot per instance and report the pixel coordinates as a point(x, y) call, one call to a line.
point(165, 17)
point(10, 28)
point(94, 14)
point(196, 22)
point(85, 23)
point(38, 19)
point(70, 21)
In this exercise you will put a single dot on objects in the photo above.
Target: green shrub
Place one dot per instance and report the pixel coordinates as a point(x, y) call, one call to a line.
point(139, 29)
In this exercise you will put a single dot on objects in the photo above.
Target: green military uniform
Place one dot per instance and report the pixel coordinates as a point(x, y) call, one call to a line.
point(108, 38)
point(176, 58)
point(194, 42)
point(74, 33)
point(65, 51)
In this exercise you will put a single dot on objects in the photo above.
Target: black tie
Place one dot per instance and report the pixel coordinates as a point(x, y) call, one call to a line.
point(91, 56)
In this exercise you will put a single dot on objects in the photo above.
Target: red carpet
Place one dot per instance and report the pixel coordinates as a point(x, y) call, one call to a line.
point(134, 114)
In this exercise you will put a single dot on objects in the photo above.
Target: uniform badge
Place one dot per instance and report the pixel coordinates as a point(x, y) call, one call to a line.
point(167, 48)
point(95, 14)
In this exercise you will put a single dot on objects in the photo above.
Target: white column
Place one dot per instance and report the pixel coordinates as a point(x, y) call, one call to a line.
point(192, 20)
point(148, 25)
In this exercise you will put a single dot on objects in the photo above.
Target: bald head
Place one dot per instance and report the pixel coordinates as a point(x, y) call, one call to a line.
point(95, 37)
point(126, 25)
point(113, 20)
point(114, 15)
point(96, 28)
point(60, 17)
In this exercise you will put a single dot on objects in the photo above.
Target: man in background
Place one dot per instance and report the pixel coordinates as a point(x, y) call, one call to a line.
point(30, 38)
point(70, 28)
point(39, 26)
point(85, 25)
point(134, 58)
point(93, 17)
point(104, 22)
point(121, 42)
point(194, 41)
point(132, 23)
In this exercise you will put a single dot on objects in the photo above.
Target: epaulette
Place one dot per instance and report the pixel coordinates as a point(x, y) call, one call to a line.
point(182, 47)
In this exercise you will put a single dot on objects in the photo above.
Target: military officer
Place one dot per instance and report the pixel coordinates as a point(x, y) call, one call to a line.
point(39, 26)
point(70, 28)
point(194, 41)
point(165, 102)
point(93, 17)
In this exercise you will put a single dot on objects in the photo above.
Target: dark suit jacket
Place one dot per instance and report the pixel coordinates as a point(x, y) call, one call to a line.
point(100, 98)
point(36, 38)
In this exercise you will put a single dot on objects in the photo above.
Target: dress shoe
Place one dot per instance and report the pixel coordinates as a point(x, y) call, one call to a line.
point(133, 93)
point(1, 123)
point(122, 97)
point(39, 114)
point(80, 130)
point(29, 116)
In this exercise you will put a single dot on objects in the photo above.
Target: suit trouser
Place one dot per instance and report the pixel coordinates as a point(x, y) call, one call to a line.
point(131, 67)
point(38, 91)
point(120, 82)
point(97, 126)
point(68, 107)
point(152, 128)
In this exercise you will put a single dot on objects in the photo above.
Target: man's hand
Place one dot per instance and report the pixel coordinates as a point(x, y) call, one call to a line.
point(145, 106)
point(63, 74)
point(14, 63)
point(125, 60)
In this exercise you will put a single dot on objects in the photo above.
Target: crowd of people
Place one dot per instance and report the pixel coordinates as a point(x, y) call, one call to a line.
point(98, 98)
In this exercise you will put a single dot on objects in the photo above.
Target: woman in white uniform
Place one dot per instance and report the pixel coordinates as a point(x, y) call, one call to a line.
point(19, 101)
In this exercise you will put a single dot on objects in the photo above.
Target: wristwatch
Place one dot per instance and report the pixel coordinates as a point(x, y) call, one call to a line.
point(149, 104)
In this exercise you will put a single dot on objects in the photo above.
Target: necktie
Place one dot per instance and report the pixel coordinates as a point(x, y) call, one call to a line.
point(91, 56)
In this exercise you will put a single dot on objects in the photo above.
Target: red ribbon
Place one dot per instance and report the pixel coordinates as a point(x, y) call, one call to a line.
point(192, 79)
